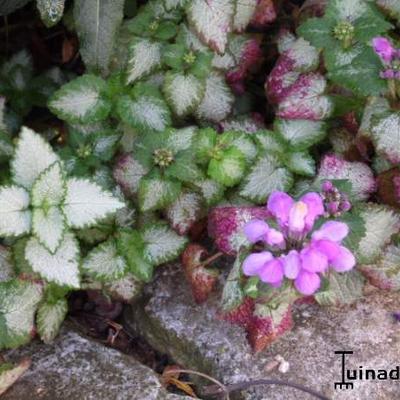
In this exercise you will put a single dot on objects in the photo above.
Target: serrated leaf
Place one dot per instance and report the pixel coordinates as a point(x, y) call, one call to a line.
point(181, 139)
point(144, 58)
point(212, 21)
point(232, 294)
point(161, 244)
point(212, 191)
point(228, 170)
point(217, 101)
point(104, 263)
point(8, 376)
point(49, 188)
point(318, 31)
point(183, 92)
point(301, 134)
point(301, 163)
point(184, 212)
point(15, 217)
point(86, 203)
point(270, 141)
point(342, 289)
point(183, 168)
point(356, 226)
point(51, 11)
point(380, 224)
point(156, 193)
point(264, 177)
point(60, 267)
point(125, 289)
point(386, 136)
point(82, 100)
point(243, 14)
point(18, 303)
point(97, 23)
point(374, 107)
point(49, 318)
point(32, 156)
point(146, 113)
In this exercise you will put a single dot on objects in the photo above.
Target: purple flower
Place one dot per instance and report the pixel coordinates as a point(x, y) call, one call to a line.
point(300, 257)
point(384, 49)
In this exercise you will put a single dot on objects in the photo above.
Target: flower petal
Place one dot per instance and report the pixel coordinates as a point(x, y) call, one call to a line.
point(332, 230)
point(383, 48)
point(297, 217)
point(255, 262)
point(315, 207)
point(312, 260)
point(292, 264)
point(307, 283)
point(279, 204)
point(255, 230)
point(275, 238)
point(344, 261)
point(327, 247)
point(272, 271)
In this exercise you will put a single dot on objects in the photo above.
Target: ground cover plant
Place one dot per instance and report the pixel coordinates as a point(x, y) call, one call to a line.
point(141, 130)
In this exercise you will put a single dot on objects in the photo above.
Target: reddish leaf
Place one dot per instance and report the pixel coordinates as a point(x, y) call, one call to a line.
point(389, 187)
point(265, 14)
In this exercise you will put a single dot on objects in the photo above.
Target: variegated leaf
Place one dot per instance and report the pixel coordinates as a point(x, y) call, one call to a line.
point(32, 156)
point(48, 226)
point(51, 11)
point(162, 244)
point(301, 163)
point(6, 264)
point(232, 294)
point(264, 177)
point(183, 92)
point(146, 113)
point(81, 100)
point(374, 107)
point(49, 318)
point(380, 224)
point(15, 217)
point(49, 188)
point(60, 267)
point(212, 191)
point(217, 100)
point(212, 21)
point(18, 303)
point(156, 193)
point(104, 263)
point(125, 289)
point(144, 58)
point(86, 203)
point(184, 212)
point(243, 14)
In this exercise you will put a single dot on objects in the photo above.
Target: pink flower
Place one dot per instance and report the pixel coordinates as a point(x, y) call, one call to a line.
point(384, 49)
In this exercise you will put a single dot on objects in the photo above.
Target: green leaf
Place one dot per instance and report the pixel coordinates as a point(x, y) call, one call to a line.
point(205, 142)
point(146, 113)
point(81, 100)
point(156, 193)
point(104, 263)
point(301, 163)
point(97, 23)
point(49, 318)
point(265, 176)
point(162, 244)
point(341, 289)
point(51, 11)
point(18, 303)
point(166, 30)
point(183, 168)
point(183, 92)
point(172, 56)
point(6, 264)
point(232, 294)
point(212, 191)
point(356, 226)
point(318, 31)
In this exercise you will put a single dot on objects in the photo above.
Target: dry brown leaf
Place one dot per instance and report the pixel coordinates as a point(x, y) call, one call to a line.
point(10, 376)
point(169, 377)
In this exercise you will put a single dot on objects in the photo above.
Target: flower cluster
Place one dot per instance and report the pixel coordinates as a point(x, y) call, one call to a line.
point(335, 202)
point(390, 57)
point(294, 251)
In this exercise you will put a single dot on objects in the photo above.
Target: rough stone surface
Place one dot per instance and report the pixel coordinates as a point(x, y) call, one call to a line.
point(171, 322)
point(76, 368)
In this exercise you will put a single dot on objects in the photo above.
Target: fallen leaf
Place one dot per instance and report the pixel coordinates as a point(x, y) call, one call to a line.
point(170, 377)
point(10, 375)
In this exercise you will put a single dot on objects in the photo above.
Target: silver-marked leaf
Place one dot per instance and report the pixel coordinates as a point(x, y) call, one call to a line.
point(183, 92)
point(49, 187)
point(81, 100)
point(49, 318)
point(6, 264)
point(264, 177)
point(97, 23)
point(301, 163)
point(15, 218)
point(374, 107)
point(217, 101)
point(162, 244)
point(86, 203)
point(144, 58)
point(232, 294)
point(212, 191)
point(146, 113)
point(125, 289)
point(18, 303)
point(243, 14)
point(60, 267)
point(32, 156)
point(48, 226)
point(104, 263)
point(381, 223)
point(212, 20)
point(51, 11)
point(185, 211)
